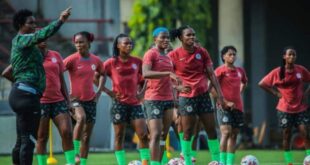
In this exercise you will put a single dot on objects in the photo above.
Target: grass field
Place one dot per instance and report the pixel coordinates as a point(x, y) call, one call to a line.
point(265, 157)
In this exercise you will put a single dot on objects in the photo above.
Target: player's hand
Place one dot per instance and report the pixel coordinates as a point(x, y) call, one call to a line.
point(115, 96)
point(65, 14)
point(229, 104)
point(175, 78)
point(98, 94)
point(140, 96)
point(184, 89)
point(222, 104)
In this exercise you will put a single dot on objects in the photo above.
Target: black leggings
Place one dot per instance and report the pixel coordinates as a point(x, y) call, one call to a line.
point(27, 108)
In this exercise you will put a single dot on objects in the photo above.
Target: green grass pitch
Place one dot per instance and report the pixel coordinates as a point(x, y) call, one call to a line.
point(265, 157)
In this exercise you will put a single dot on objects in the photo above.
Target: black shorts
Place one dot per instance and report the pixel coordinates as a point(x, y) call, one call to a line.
point(51, 110)
point(195, 105)
point(124, 113)
point(234, 118)
point(287, 120)
point(89, 109)
point(155, 108)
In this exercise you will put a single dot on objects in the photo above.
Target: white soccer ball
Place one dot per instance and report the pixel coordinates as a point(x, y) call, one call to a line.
point(135, 162)
point(215, 163)
point(249, 160)
point(176, 161)
point(307, 160)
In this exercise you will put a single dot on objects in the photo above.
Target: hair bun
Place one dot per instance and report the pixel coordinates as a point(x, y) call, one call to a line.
point(91, 37)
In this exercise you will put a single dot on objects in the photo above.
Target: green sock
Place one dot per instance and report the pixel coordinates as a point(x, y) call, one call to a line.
point(181, 136)
point(191, 149)
point(186, 146)
point(164, 159)
point(223, 156)
point(77, 145)
point(230, 158)
point(288, 157)
point(214, 147)
point(307, 152)
point(155, 163)
point(70, 154)
point(83, 161)
point(194, 153)
point(120, 157)
point(42, 159)
point(145, 154)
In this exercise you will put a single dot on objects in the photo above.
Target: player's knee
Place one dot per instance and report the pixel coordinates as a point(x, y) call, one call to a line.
point(118, 139)
point(80, 119)
point(155, 136)
point(42, 140)
point(143, 136)
point(233, 136)
point(28, 142)
point(188, 133)
point(66, 133)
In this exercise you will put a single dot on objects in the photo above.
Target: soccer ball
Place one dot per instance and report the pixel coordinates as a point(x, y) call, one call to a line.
point(215, 163)
point(176, 161)
point(135, 162)
point(307, 160)
point(249, 160)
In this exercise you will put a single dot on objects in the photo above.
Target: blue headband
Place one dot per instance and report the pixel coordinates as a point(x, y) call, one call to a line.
point(158, 30)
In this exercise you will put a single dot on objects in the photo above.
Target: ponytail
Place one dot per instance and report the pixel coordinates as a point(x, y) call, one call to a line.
point(282, 70)
point(177, 33)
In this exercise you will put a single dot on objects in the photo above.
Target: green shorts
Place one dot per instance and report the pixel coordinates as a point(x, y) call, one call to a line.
point(155, 108)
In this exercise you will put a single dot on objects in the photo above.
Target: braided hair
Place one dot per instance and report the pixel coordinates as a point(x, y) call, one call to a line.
point(115, 42)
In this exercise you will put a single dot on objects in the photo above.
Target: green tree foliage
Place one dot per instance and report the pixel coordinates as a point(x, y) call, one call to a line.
point(149, 14)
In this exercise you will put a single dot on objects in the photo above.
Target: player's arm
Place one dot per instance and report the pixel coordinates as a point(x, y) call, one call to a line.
point(148, 73)
point(8, 73)
point(27, 40)
point(242, 87)
point(216, 86)
point(269, 89)
point(64, 89)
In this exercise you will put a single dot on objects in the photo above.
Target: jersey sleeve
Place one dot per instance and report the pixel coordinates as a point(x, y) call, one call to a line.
point(207, 59)
point(27, 40)
point(170, 55)
point(306, 75)
point(99, 68)
point(60, 62)
point(107, 67)
point(148, 58)
point(140, 77)
point(218, 73)
point(270, 78)
point(244, 78)
point(68, 63)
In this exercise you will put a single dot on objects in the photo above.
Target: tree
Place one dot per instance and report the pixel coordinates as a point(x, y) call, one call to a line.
point(149, 14)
